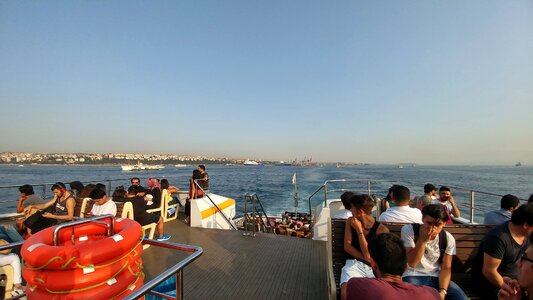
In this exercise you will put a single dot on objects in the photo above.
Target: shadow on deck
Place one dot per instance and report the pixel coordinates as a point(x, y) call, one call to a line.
point(237, 267)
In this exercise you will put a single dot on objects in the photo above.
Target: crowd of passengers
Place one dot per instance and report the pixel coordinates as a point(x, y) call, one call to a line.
point(418, 264)
point(40, 214)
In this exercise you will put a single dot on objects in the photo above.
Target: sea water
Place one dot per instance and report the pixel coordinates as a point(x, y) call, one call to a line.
point(273, 184)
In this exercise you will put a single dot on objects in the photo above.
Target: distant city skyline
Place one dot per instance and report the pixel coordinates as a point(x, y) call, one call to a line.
point(433, 83)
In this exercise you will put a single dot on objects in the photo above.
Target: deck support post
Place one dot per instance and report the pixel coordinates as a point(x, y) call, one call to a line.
point(471, 206)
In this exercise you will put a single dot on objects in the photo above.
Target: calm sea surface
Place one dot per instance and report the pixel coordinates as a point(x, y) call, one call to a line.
point(273, 183)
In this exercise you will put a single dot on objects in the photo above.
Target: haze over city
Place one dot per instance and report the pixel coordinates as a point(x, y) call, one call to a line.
point(426, 82)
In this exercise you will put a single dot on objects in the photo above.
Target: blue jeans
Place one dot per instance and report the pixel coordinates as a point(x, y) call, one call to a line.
point(10, 234)
point(453, 291)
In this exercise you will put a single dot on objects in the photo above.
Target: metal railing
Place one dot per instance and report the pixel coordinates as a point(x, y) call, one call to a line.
point(252, 197)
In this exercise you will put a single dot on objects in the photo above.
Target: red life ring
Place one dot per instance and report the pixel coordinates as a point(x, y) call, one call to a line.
point(124, 285)
point(91, 246)
point(80, 278)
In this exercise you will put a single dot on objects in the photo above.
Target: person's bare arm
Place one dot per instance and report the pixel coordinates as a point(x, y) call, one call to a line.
point(490, 270)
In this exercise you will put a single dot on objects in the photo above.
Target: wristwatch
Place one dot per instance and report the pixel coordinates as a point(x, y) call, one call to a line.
point(443, 290)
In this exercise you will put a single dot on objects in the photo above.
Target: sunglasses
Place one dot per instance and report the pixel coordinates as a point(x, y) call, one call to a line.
point(524, 257)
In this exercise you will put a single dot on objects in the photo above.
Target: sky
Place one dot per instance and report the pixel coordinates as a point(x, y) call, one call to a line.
point(429, 82)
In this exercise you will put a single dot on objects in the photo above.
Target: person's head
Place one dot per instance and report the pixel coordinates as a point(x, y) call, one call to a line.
point(133, 190)
point(444, 193)
point(345, 199)
point(164, 184)
point(361, 205)
point(196, 174)
point(99, 196)
point(26, 190)
point(530, 200)
point(401, 195)
point(201, 168)
point(523, 217)
point(59, 189)
point(100, 186)
point(135, 181)
point(153, 183)
point(87, 190)
point(430, 189)
point(525, 266)
point(436, 216)
point(423, 201)
point(119, 192)
point(388, 197)
point(509, 202)
point(388, 254)
point(77, 186)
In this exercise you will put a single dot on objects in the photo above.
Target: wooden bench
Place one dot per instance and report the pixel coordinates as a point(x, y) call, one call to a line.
point(467, 240)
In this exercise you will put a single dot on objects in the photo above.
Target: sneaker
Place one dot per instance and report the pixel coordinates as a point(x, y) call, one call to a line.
point(164, 237)
point(16, 292)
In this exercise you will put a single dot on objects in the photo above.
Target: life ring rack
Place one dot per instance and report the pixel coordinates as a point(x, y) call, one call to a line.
point(81, 243)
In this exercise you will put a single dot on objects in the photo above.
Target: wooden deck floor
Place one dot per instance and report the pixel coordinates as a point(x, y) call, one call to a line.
point(237, 267)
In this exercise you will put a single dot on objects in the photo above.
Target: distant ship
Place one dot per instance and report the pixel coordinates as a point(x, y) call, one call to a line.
point(400, 167)
point(518, 164)
point(141, 167)
point(304, 163)
point(181, 166)
point(251, 163)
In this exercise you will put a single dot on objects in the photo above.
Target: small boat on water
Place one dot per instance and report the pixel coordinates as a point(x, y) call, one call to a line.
point(181, 166)
point(141, 167)
point(518, 164)
point(251, 163)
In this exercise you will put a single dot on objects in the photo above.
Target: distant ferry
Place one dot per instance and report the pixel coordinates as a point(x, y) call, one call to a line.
point(181, 166)
point(141, 167)
point(251, 163)
point(518, 164)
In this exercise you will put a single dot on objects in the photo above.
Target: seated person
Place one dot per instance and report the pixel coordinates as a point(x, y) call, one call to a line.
point(154, 190)
point(13, 260)
point(27, 197)
point(10, 234)
point(139, 212)
point(516, 289)
point(500, 251)
point(446, 199)
point(388, 262)
point(75, 188)
point(346, 212)
point(103, 205)
point(423, 201)
point(401, 212)
point(62, 207)
point(359, 229)
point(508, 204)
point(429, 253)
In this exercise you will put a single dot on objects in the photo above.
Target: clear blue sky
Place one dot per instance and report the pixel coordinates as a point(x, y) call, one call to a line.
point(431, 82)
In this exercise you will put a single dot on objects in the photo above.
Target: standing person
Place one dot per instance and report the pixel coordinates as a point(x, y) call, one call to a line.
point(194, 193)
point(401, 212)
point(446, 199)
point(508, 204)
point(27, 197)
point(516, 289)
point(103, 205)
point(205, 176)
point(388, 262)
point(429, 253)
point(500, 251)
point(360, 228)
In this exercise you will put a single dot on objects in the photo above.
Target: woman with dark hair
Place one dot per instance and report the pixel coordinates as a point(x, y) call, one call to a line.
point(194, 192)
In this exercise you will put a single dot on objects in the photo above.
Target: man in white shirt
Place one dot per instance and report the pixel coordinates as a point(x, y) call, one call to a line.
point(103, 205)
point(429, 253)
point(401, 212)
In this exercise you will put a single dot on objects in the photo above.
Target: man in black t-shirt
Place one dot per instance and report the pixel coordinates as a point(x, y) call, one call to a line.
point(500, 250)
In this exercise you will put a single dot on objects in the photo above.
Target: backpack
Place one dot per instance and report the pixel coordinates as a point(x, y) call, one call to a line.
point(443, 240)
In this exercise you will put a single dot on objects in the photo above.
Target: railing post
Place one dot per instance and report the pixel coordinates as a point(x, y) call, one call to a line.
point(368, 184)
point(245, 213)
point(179, 285)
point(471, 206)
point(325, 195)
